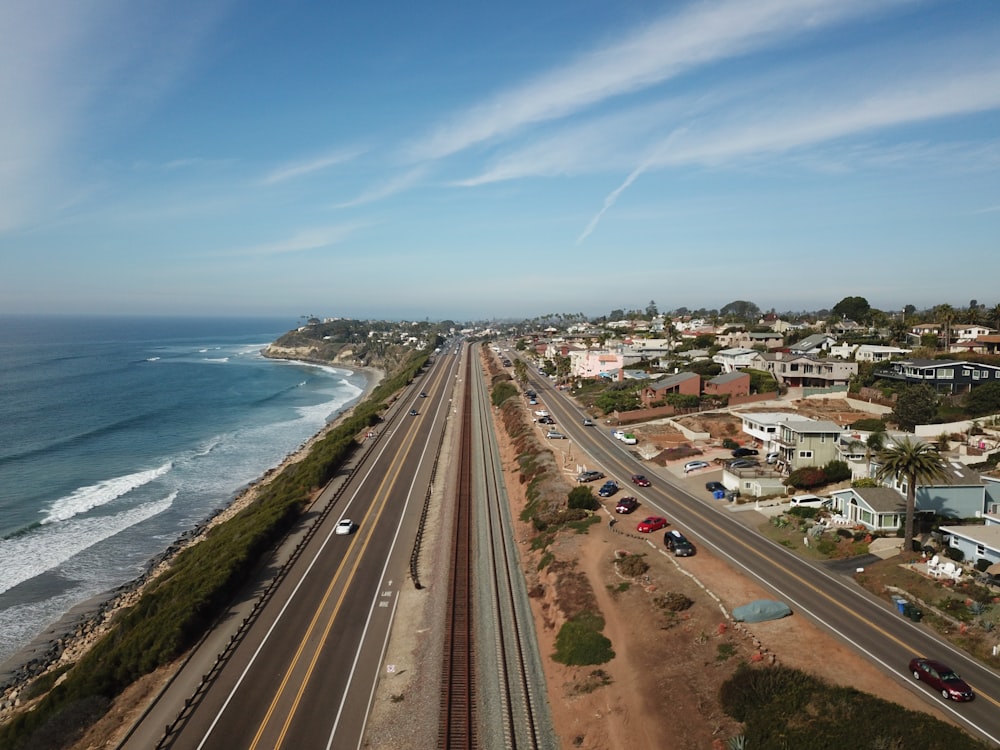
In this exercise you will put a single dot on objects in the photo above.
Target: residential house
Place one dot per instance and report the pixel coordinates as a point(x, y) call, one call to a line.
point(687, 383)
point(808, 442)
point(595, 364)
point(730, 383)
point(875, 508)
point(970, 332)
point(976, 542)
point(805, 370)
point(818, 343)
point(735, 359)
point(960, 493)
point(764, 428)
point(944, 376)
point(875, 353)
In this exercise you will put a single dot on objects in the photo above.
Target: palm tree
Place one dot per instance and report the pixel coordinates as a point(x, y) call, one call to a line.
point(912, 463)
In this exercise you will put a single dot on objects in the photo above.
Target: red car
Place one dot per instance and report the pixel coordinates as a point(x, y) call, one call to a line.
point(653, 523)
point(640, 480)
point(941, 678)
point(626, 505)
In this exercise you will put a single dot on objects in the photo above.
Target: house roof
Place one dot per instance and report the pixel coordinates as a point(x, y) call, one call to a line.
point(813, 426)
point(957, 474)
point(671, 381)
point(728, 377)
point(988, 535)
point(881, 499)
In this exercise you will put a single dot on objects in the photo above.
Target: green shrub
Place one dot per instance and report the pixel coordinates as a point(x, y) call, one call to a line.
point(583, 498)
point(503, 391)
point(954, 553)
point(868, 424)
point(837, 471)
point(580, 642)
point(633, 566)
point(807, 478)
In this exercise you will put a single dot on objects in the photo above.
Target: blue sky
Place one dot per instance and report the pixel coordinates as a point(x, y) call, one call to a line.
point(469, 160)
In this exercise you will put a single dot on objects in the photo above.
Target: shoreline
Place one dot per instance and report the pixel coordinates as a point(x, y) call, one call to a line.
point(69, 637)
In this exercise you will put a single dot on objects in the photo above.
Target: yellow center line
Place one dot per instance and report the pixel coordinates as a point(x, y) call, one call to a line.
point(383, 491)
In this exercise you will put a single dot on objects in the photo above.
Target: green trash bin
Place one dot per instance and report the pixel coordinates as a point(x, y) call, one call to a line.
point(914, 613)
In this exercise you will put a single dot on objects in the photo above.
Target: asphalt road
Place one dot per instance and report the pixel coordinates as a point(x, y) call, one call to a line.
point(831, 600)
point(304, 671)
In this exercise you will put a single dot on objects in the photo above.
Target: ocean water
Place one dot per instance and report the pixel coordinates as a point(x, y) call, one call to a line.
point(117, 435)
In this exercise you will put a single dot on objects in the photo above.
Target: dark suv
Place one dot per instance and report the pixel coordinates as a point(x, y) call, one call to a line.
point(678, 544)
point(744, 452)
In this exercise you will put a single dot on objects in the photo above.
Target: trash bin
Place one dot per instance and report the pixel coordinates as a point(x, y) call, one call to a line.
point(719, 494)
point(900, 605)
point(914, 614)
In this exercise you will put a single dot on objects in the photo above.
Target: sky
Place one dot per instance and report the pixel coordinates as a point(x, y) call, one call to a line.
point(470, 161)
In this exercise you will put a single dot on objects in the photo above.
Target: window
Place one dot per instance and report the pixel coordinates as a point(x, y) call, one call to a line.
point(980, 550)
point(948, 374)
point(805, 454)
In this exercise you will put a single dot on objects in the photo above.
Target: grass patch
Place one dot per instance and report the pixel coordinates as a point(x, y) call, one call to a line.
point(581, 643)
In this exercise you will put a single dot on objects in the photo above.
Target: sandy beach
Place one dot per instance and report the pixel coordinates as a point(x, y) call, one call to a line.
point(68, 638)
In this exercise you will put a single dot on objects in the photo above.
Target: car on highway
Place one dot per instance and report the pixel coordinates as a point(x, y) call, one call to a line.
point(344, 526)
point(640, 480)
point(626, 505)
point(715, 486)
point(555, 435)
point(413, 412)
point(744, 452)
point(651, 524)
point(423, 394)
point(589, 476)
point(941, 678)
point(678, 543)
point(694, 466)
point(588, 423)
point(608, 488)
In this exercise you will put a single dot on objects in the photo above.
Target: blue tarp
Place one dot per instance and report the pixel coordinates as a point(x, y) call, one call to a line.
point(761, 610)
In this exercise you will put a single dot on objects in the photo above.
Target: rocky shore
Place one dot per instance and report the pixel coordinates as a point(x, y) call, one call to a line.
point(69, 638)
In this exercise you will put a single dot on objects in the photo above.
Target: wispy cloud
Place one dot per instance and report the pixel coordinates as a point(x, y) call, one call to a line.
point(386, 189)
point(314, 238)
point(702, 33)
point(302, 168)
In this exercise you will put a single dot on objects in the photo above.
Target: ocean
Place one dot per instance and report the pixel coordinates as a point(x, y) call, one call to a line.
point(118, 435)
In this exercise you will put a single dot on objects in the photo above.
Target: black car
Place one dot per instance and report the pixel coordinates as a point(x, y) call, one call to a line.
point(678, 544)
point(423, 394)
point(608, 488)
point(744, 452)
point(413, 412)
point(546, 420)
point(715, 486)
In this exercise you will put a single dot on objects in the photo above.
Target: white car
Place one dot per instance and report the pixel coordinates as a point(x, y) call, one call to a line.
point(541, 413)
point(344, 526)
point(695, 465)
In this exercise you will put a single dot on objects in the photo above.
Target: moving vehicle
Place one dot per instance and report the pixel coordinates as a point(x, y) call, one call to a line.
point(608, 488)
point(640, 480)
point(589, 476)
point(626, 505)
point(588, 423)
point(744, 452)
point(678, 544)
point(344, 526)
point(554, 435)
point(653, 523)
point(423, 394)
point(941, 678)
point(715, 486)
point(695, 465)
point(413, 412)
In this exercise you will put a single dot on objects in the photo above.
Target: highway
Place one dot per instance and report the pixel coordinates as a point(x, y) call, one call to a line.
point(300, 669)
point(828, 598)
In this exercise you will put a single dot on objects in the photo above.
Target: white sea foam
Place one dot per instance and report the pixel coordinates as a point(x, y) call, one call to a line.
point(46, 547)
point(87, 498)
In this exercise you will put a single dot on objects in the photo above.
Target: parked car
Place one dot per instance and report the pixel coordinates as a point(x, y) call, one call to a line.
point(742, 463)
point(626, 505)
point(651, 524)
point(810, 501)
point(589, 476)
point(678, 543)
point(608, 488)
point(715, 486)
point(629, 439)
point(694, 466)
point(771, 458)
point(640, 480)
point(344, 526)
point(541, 413)
point(546, 420)
point(553, 435)
point(744, 452)
point(941, 678)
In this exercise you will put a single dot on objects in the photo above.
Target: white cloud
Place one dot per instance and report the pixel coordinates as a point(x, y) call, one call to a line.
point(702, 33)
point(300, 169)
point(313, 238)
point(386, 189)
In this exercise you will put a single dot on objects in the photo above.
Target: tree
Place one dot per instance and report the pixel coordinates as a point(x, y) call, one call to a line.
point(741, 309)
point(945, 314)
point(651, 311)
point(915, 404)
point(910, 463)
point(852, 308)
point(983, 399)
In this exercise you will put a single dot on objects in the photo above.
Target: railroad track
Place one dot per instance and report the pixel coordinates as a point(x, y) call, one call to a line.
point(488, 648)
